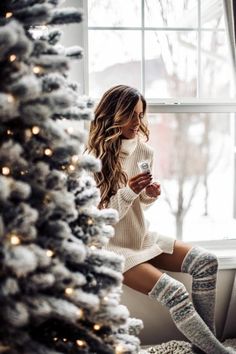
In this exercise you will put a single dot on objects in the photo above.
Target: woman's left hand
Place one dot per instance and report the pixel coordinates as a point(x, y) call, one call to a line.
point(153, 190)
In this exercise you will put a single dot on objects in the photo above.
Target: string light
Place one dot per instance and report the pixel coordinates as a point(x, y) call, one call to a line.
point(48, 152)
point(15, 240)
point(93, 248)
point(119, 349)
point(80, 343)
point(79, 313)
point(28, 133)
point(69, 291)
point(8, 14)
point(71, 168)
point(37, 69)
point(96, 327)
point(24, 172)
point(55, 339)
point(9, 132)
point(49, 253)
point(12, 58)
point(106, 298)
point(10, 98)
point(75, 158)
point(35, 130)
point(90, 221)
point(64, 339)
point(63, 167)
point(6, 170)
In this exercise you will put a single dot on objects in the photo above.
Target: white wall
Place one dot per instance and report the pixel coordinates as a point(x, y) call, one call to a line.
point(158, 325)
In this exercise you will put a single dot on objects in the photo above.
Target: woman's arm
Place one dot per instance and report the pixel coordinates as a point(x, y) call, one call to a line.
point(125, 196)
point(122, 200)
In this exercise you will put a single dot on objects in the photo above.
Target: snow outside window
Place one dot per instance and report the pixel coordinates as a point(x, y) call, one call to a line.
point(177, 53)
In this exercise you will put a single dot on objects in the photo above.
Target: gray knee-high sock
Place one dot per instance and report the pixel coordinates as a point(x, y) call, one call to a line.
point(172, 294)
point(203, 267)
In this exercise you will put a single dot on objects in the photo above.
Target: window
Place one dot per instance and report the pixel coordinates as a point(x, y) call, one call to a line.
point(179, 55)
point(194, 163)
point(165, 48)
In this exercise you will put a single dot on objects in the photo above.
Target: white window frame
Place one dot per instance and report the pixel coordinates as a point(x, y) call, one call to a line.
point(223, 248)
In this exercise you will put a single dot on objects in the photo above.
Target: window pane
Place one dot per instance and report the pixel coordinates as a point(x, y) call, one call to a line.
point(162, 13)
point(114, 58)
point(194, 163)
point(216, 70)
point(170, 64)
point(212, 14)
point(115, 13)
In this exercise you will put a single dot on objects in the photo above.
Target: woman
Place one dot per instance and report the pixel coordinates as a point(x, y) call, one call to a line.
point(115, 138)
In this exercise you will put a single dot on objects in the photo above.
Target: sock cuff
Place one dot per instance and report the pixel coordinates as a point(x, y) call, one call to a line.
point(195, 257)
point(159, 287)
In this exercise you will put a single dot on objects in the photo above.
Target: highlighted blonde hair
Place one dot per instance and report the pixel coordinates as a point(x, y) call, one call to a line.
point(114, 111)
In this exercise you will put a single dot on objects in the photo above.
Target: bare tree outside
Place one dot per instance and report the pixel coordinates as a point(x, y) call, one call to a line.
point(189, 148)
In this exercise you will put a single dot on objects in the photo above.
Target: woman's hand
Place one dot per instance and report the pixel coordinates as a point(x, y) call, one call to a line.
point(153, 190)
point(140, 181)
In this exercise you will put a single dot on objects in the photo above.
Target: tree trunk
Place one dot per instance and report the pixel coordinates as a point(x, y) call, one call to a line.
point(179, 226)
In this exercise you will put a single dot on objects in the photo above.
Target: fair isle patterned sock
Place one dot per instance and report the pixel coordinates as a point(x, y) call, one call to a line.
point(203, 267)
point(172, 294)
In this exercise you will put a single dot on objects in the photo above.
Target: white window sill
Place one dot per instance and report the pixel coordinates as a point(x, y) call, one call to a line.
point(225, 250)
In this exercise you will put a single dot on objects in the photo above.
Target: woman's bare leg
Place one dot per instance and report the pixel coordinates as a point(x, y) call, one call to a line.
point(172, 262)
point(148, 279)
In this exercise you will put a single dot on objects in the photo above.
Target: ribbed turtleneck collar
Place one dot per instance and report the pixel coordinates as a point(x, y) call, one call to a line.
point(128, 145)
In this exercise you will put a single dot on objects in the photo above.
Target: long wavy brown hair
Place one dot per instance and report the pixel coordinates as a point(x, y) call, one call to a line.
point(114, 111)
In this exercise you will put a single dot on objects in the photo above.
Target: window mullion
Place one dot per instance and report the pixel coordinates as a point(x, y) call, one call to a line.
point(85, 47)
point(199, 51)
point(143, 52)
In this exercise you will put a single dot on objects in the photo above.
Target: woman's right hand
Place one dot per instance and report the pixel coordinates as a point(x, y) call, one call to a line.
point(140, 181)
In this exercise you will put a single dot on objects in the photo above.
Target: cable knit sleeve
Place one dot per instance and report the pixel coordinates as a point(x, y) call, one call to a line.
point(122, 200)
point(145, 199)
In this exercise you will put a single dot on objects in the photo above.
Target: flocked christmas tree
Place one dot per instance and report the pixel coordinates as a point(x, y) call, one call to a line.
point(59, 290)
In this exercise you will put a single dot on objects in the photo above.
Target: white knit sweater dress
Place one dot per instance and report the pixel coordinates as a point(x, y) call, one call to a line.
point(132, 238)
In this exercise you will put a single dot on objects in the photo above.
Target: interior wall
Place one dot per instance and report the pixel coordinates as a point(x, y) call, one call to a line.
point(158, 325)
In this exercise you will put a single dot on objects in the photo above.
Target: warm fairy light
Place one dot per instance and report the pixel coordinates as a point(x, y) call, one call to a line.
point(10, 98)
point(96, 327)
point(55, 339)
point(9, 132)
point(71, 168)
point(48, 152)
point(35, 130)
point(93, 248)
point(119, 349)
point(15, 240)
point(79, 313)
point(80, 343)
point(106, 298)
point(69, 291)
point(64, 339)
point(28, 133)
point(70, 130)
point(90, 221)
point(49, 253)
point(63, 167)
point(37, 69)
point(6, 170)
point(75, 158)
point(8, 14)
point(12, 57)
